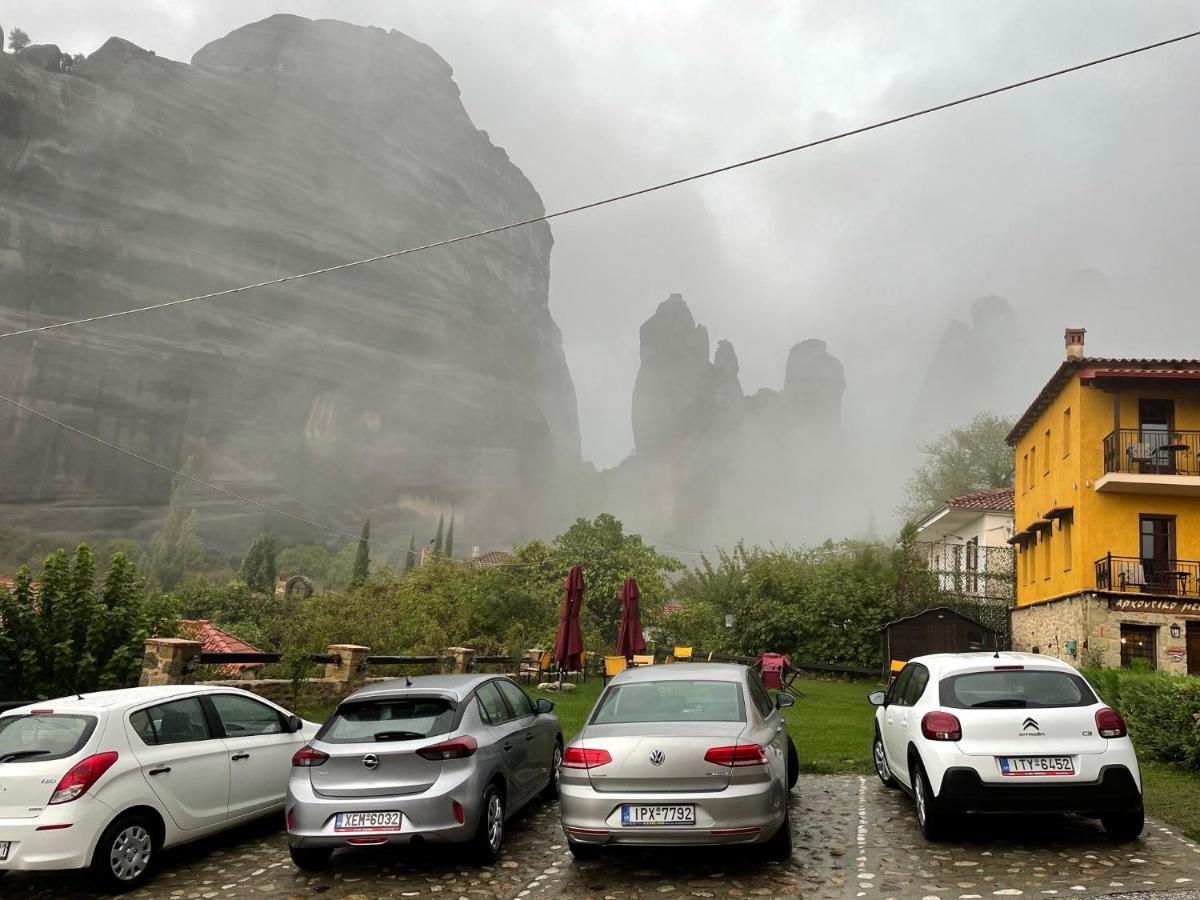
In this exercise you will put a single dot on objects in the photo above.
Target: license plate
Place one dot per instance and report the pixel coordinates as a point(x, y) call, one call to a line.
point(1036, 765)
point(367, 821)
point(678, 814)
point(3, 850)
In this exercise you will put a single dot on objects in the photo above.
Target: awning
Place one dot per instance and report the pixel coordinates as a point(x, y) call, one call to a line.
point(1065, 513)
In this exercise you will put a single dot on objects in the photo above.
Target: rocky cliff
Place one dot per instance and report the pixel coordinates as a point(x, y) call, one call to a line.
point(713, 465)
point(392, 390)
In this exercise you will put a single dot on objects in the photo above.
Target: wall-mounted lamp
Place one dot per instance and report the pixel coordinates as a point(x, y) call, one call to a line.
point(1175, 630)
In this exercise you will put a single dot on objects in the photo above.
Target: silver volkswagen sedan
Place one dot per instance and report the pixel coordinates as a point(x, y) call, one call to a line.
point(445, 758)
point(680, 755)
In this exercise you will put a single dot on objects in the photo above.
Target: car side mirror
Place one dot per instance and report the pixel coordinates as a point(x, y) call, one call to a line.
point(782, 700)
point(544, 706)
point(295, 723)
point(877, 698)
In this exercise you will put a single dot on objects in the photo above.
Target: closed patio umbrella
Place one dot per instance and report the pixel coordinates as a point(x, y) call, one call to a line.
point(568, 643)
point(630, 641)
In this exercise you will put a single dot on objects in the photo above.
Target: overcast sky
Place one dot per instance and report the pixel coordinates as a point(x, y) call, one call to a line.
point(873, 243)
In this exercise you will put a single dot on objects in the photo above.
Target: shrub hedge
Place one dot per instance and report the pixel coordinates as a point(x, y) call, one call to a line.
point(1161, 710)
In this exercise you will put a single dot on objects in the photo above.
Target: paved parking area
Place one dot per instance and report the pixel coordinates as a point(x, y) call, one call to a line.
point(853, 839)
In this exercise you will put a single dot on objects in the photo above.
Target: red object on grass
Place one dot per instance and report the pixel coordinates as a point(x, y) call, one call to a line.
point(772, 665)
point(630, 641)
point(568, 643)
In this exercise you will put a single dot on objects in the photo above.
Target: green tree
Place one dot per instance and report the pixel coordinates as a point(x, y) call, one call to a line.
point(410, 561)
point(18, 40)
point(362, 557)
point(113, 655)
point(450, 538)
point(19, 640)
point(176, 545)
point(437, 540)
point(964, 459)
point(259, 569)
point(55, 657)
point(312, 560)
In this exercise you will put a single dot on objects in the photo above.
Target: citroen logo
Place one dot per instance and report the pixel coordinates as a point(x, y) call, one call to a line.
point(371, 761)
point(657, 757)
point(1030, 724)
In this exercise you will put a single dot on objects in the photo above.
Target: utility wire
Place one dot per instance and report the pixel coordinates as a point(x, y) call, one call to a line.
point(619, 197)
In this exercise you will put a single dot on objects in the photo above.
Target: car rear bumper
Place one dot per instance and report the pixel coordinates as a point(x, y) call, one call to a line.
point(428, 816)
point(740, 814)
point(61, 837)
point(1115, 791)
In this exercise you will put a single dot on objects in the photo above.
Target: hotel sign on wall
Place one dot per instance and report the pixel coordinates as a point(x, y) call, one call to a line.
point(1181, 607)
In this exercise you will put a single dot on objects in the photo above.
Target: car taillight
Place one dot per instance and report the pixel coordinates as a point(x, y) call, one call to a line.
point(82, 776)
point(1110, 724)
point(941, 726)
point(455, 748)
point(291, 819)
point(307, 757)
point(585, 758)
point(741, 755)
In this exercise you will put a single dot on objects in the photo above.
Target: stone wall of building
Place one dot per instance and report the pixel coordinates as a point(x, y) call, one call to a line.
point(1092, 621)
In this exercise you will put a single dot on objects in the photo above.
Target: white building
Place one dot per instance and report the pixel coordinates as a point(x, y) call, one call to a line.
point(966, 542)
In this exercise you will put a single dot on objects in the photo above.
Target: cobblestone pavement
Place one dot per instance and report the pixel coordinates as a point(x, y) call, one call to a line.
point(853, 839)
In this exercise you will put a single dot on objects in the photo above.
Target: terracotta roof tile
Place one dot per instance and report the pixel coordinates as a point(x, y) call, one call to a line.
point(215, 640)
point(491, 558)
point(987, 500)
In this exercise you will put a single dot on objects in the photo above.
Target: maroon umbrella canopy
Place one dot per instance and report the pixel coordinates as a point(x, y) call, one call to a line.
point(568, 643)
point(629, 638)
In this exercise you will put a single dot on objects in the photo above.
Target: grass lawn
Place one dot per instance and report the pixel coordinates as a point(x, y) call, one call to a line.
point(1173, 795)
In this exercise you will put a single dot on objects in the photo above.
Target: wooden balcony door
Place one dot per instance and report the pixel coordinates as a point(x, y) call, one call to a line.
point(1156, 421)
point(1157, 551)
point(1193, 648)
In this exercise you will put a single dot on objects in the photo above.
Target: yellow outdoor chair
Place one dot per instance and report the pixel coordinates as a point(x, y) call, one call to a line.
point(682, 654)
point(613, 666)
point(646, 659)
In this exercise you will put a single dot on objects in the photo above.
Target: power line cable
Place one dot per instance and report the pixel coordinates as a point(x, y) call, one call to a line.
point(928, 110)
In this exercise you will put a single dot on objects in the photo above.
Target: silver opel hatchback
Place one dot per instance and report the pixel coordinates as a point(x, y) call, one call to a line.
point(693, 753)
point(445, 758)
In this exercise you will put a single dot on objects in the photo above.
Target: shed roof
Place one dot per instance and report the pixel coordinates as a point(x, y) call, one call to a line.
point(942, 611)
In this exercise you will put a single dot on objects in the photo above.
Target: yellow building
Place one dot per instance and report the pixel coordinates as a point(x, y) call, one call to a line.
point(1107, 508)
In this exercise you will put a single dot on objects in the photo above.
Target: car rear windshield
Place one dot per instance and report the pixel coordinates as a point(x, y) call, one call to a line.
point(388, 719)
point(40, 737)
point(1015, 689)
point(671, 701)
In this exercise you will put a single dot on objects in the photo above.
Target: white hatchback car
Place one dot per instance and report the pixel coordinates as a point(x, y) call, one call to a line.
point(108, 779)
point(1005, 733)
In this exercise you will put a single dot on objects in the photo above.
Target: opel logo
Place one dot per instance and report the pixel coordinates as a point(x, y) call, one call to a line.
point(1030, 724)
point(371, 761)
point(657, 757)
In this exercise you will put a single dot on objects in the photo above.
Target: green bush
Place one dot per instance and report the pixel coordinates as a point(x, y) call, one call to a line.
point(1161, 710)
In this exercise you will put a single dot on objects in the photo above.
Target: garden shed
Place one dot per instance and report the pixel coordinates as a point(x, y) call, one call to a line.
point(936, 630)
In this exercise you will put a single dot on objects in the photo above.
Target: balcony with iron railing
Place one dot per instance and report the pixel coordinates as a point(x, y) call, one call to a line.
point(970, 570)
point(1143, 575)
point(1138, 460)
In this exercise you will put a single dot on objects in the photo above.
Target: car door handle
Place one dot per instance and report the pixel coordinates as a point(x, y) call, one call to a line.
point(161, 770)
point(507, 745)
point(529, 737)
point(238, 756)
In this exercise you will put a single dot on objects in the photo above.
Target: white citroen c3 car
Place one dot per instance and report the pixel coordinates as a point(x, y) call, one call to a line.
point(107, 779)
point(1005, 733)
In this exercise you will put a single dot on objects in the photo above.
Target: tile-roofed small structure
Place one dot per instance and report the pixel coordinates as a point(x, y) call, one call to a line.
point(491, 559)
point(987, 500)
point(216, 640)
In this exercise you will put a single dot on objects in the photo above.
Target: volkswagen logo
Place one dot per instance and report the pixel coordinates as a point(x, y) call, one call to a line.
point(657, 757)
point(371, 761)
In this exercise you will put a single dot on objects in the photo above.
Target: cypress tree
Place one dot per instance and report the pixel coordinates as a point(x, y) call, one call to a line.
point(410, 561)
point(82, 598)
point(450, 537)
point(117, 634)
point(19, 640)
point(56, 661)
point(437, 540)
point(176, 545)
point(362, 559)
point(259, 568)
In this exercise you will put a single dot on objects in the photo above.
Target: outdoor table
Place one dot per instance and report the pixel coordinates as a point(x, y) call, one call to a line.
point(1175, 579)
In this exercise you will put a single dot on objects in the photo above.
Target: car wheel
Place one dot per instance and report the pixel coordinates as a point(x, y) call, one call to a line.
point(126, 853)
point(779, 847)
point(584, 851)
point(311, 859)
point(489, 833)
point(930, 815)
point(882, 769)
point(550, 791)
point(1125, 826)
point(793, 764)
